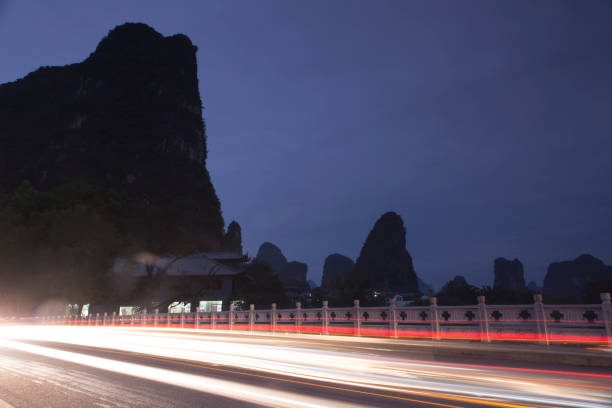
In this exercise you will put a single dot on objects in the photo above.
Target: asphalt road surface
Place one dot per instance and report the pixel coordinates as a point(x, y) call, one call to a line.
point(46, 366)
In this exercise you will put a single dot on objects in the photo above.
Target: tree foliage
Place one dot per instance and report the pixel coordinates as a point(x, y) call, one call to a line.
point(261, 287)
point(56, 245)
point(594, 289)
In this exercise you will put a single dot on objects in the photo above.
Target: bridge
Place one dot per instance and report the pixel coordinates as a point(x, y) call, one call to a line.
point(423, 356)
point(537, 322)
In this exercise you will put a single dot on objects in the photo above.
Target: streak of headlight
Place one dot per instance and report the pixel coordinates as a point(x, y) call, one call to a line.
point(340, 368)
point(227, 389)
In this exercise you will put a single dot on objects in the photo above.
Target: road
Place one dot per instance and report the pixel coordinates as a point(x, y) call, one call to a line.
point(52, 366)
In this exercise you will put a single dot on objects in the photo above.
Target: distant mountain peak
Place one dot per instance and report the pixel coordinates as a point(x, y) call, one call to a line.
point(128, 118)
point(137, 40)
point(287, 271)
point(384, 261)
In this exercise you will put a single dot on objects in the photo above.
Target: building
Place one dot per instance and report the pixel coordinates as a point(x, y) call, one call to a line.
point(204, 280)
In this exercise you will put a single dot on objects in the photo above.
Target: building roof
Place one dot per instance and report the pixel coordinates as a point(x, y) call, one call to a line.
point(199, 264)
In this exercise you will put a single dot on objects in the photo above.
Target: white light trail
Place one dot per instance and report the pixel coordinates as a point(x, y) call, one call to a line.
point(228, 389)
point(338, 368)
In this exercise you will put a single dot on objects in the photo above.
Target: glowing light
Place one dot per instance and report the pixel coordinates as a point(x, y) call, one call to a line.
point(267, 357)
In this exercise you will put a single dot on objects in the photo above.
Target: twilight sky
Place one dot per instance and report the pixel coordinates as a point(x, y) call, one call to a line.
point(487, 125)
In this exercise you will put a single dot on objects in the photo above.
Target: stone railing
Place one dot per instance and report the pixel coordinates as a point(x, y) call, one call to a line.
point(537, 322)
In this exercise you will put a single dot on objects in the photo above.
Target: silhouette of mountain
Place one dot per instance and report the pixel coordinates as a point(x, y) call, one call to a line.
point(335, 271)
point(295, 271)
point(424, 287)
point(232, 240)
point(129, 117)
point(287, 271)
point(457, 292)
point(273, 256)
point(532, 286)
point(509, 275)
point(384, 263)
point(567, 280)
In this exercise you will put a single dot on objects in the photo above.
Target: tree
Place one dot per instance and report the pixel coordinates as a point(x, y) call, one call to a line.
point(57, 244)
point(457, 292)
point(261, 287)
point(593, 290)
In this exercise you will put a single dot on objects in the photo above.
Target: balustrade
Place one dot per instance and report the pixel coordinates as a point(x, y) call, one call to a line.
point(535, 322)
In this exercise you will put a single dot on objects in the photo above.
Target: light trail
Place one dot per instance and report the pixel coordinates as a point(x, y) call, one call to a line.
point(341, 370)
point(228, 389)
point(350, 330)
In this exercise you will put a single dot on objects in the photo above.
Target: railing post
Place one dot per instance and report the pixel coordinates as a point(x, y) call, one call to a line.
point(182, 319)
point(606, 307)
point(298, 317)
point(484, 320)
point(393, 319)
point(197, 318)
point(145, 317)
point(155, 317)
point(232, 316)
point(104, 319)
point(251, 316)
point(541, 323)
point(435, 320)
point(325, 317)
point(113, 319)
point(132, 319)
point(97, 319)
point(357, 318)
point(273, 317)
point(213, 318)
